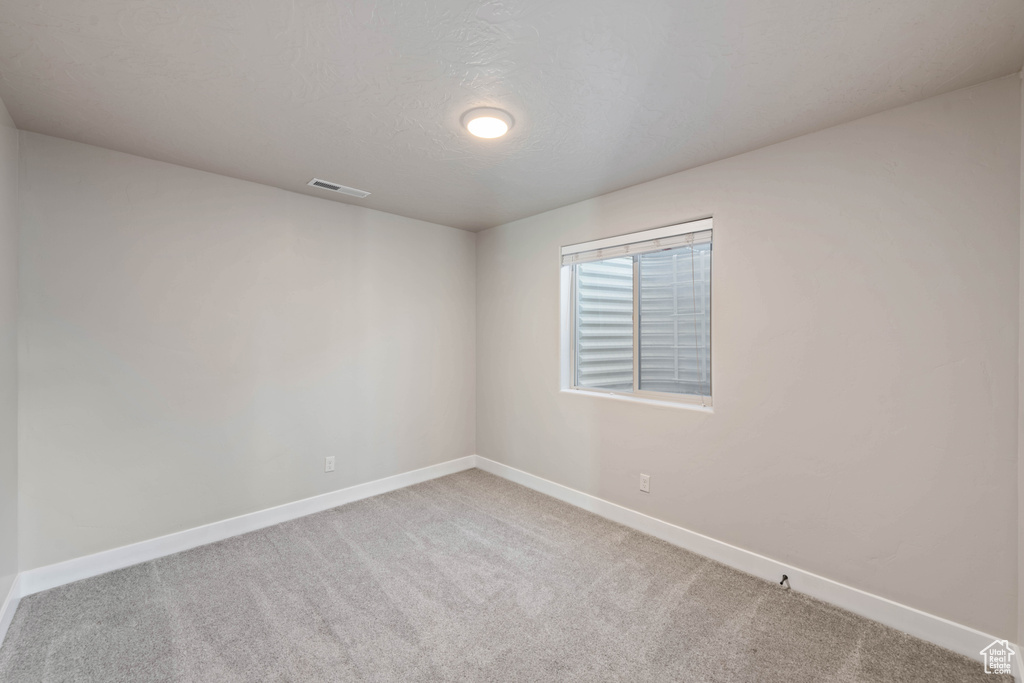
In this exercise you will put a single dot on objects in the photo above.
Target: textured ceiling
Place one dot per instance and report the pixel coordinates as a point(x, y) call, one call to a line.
point(605, 93)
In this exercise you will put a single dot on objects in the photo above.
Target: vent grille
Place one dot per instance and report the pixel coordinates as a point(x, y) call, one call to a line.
point(340, 189)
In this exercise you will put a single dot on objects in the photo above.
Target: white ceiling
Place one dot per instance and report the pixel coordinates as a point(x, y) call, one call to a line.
point(605, 93)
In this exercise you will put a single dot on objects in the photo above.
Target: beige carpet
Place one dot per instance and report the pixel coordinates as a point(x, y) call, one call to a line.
point(465, 578)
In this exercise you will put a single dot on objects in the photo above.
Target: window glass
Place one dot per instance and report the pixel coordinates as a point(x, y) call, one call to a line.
point(604, 324)
point(675, 320)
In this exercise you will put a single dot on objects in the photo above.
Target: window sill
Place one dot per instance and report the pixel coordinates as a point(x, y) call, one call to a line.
point(641, 399)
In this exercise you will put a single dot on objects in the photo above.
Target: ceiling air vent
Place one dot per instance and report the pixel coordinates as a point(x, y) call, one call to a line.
point(340, 189)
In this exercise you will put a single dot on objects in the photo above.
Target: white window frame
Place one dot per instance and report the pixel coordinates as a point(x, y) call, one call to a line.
point(568, 326)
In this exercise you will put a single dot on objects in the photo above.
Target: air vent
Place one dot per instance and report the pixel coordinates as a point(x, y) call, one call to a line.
point(340, 189)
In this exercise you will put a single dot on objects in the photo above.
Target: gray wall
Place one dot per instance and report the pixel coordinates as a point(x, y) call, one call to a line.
point(8, 352)
point(193, 346)
point(1020, 406)
point(865, 356)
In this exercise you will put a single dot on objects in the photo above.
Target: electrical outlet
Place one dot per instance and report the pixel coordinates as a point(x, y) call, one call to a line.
point(329, 463)
point(645, 483)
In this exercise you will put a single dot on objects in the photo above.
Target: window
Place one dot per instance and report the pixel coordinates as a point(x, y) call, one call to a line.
point(637, 314)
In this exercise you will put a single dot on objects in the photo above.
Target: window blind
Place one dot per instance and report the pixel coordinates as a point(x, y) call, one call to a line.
point(570, 257)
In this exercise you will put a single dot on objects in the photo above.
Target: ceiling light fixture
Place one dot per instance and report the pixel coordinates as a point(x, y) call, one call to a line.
point(486, 122)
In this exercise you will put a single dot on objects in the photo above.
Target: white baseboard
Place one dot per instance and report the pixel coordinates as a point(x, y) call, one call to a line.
point(51, 576)
point(10, 604)
point(943, 632)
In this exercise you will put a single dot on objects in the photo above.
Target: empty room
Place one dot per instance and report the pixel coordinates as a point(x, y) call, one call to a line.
point(510, 340)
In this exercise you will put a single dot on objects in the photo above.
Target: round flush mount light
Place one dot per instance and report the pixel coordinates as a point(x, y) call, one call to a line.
point(486, 122)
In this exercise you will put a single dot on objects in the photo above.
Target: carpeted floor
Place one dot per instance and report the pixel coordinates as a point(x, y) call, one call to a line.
point(465, 578)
